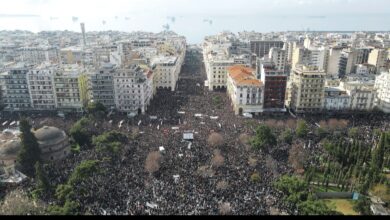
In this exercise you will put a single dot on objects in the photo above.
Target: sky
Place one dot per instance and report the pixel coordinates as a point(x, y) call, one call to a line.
point(93, 8)
point(192, 15)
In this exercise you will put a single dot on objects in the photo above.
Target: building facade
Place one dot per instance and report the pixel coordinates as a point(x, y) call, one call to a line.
point(245, 91)
point(134, 89)
point(307, 89)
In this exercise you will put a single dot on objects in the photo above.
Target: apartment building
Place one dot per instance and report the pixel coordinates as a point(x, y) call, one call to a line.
point(262, 47)
point(275, 84)
point(101, 85)
point(166, 71)
point(40, 82)
point(382, 86)
point(14, 86)
point(307, 89)
point(71, 88)
point(133, 88)
point(245, 91)
point(378, 58)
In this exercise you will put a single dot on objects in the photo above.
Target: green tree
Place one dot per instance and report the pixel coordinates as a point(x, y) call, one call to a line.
point(315, 207)
point(353, 132)
point(110, 142)
point(294, 189)
point(264, 138)
point(30, 152)
point(81, 132)
point(42, 185)
point(287, 136)
point(96, 108)
point(302, 128)
point(363, 205)
point(378, 158)
point(321, 132)
point(69, 208)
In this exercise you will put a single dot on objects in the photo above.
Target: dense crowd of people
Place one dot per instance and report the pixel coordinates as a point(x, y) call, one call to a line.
point(186, 183)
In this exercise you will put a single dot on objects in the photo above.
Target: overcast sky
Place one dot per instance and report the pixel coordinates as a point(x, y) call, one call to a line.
point(89, 8)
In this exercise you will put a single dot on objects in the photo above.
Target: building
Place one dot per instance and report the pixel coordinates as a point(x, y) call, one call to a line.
point(133, 88)
point(245, 91)
point(382, 86)
point(333, 68)
point(166, 72)
point(38, 55)
point(337, 99)
point(15, 93)
point(378, 58)
point(307, 89)
point(314, 57)
point(279, 58)
point(101, 85)
point(361, 91)
point(71, 88)
point(40, 81)
point(53, 142)
point(71, 55)
point(275, 83)
point(82, 25)
point(262, 47)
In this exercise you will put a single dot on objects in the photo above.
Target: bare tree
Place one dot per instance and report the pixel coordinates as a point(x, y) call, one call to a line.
point(225, 208)
point(291, 123)
point(323, 124)
point(252, 161)
point(217, 160)
point(152, 163)
point(297, 156)
point(215, 140)
point(280, 124)
point(17, 202)
point(222, 185)
point(271, 123)
point(333, 124)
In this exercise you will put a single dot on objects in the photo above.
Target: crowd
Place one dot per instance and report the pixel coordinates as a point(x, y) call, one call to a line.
point(182, 186)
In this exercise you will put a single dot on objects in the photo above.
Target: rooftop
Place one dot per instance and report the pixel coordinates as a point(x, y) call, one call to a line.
point(243, 76)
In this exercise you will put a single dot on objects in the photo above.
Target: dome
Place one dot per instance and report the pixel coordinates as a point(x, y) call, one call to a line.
point(9, 149)
point(46, 133)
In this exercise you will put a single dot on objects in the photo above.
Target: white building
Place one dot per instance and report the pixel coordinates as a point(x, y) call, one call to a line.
point(40, 82)
point(245, 91)
point(337, 99)
point(362, 93)
point(382, 85)
point(133, 89)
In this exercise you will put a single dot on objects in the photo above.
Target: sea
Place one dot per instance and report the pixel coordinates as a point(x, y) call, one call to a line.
point(196, 27)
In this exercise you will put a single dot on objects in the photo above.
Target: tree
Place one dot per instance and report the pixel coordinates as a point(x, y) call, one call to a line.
point(363, 205)
point(353, 132)
point(295, 190)
point(42, 185)
point(297, 156)
point(69, 208)
point(30, 152)
point(314, 207)
point(96, 108)
point(287, 136)
point(321, 132)
point(378, 158)
point(215, 140)
point(17, 202)
point(217, 160)
point(81, 132)
point(110, 142)
point(264, 138)
point(152, 163)
point(302, 128)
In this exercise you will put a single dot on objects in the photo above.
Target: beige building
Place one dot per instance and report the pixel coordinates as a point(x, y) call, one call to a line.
point(307, 89)
point(245, 91)
point(378, 58)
